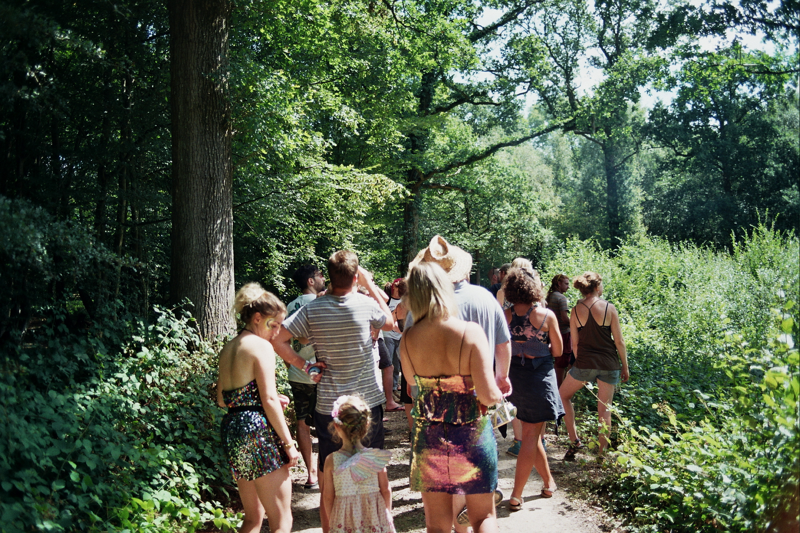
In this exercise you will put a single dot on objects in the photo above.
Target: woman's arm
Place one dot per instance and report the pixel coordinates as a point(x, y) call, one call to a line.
point(386, 490)
point(622, 350)
point(480, 365)
point(264, 367)
point(556, 343)
point(328, 490)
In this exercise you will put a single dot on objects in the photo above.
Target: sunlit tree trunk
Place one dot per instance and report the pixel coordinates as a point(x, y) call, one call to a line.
point(202, 210)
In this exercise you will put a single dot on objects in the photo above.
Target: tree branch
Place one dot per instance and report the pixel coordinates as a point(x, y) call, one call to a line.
point(566, 126)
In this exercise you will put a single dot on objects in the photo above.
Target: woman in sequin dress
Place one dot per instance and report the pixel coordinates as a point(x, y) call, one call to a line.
point(535, 341)
point(256, 439)
point(454, 449)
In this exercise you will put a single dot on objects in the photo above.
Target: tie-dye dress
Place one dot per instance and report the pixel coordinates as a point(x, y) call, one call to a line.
point(454, 448)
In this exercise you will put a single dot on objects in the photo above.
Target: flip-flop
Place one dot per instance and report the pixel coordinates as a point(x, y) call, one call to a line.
point(394, 409)
point(547, 492)
point(311, 486)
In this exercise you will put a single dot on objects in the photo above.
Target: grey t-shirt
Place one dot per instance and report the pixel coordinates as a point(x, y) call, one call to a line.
point(338, 327)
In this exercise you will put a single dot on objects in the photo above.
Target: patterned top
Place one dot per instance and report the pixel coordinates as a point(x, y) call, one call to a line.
point(339, 329)
point(529, 341)
point(246, 396)
point(448, 399)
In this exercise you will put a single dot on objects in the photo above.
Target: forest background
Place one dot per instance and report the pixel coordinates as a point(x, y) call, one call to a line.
point(154, 156)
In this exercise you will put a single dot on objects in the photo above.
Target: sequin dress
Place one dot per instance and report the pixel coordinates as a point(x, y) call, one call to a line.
point(454, 448)
point(251, 445)
point(359, 506)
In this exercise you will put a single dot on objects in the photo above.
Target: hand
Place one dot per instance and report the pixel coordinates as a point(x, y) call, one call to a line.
point(317, 376)
point(504, 384)
point(625, 374)
point(364, 277)
point(293, 454)
point(284, 400)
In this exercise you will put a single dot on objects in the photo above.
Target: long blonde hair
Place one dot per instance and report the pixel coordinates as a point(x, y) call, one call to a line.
point(430, 292)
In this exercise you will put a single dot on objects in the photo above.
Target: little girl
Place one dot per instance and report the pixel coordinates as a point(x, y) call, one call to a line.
point(356, 491)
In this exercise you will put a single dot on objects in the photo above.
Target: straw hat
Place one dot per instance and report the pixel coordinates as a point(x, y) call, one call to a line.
point(455, 261)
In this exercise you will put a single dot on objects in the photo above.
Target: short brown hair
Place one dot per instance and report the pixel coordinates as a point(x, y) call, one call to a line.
point(342, 268)
point(587, 282)
point(522, 287)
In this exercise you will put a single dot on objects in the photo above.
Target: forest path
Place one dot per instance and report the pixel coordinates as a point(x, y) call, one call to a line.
point(565, 512)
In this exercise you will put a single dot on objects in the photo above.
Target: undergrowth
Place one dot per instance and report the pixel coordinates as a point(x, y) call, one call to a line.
point(706, 430)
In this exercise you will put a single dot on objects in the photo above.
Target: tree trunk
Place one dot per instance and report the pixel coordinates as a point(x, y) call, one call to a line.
point(202, 202)
point(613, 202)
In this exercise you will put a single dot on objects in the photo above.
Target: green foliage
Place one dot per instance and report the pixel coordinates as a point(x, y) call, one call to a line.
point(111, 427)
point(708, 423)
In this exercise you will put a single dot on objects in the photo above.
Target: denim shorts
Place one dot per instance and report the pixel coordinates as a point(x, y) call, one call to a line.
point(590, 374)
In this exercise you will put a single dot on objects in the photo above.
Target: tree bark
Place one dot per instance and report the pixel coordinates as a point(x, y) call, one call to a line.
point(202, 202)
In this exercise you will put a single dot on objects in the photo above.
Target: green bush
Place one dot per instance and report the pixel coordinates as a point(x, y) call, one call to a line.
point(707, 426)
point(113, 427)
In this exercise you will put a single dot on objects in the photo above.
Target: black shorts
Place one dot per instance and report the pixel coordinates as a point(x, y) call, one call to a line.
point(305, 400)
point(374, 438)
point(384, 358)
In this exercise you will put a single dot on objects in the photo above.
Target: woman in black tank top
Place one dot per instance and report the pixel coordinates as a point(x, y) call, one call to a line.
point(600, 355)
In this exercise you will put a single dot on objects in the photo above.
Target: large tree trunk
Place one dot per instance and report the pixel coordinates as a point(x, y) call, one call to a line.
point(202, 202)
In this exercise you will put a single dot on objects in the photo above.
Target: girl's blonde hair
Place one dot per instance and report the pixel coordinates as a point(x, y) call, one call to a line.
point(429, 292)
point(352, 416)
point(252, 299)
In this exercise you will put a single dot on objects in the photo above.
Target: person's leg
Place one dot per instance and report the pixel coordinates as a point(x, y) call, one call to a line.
point(459, 502)
point(253, 510)
point(531, 455)
point(275, 493)
point(392, 346)
point(306, 450)
point(514, 448)
point(605, 394)
point(435, 520)
point(326, 446)
point(482, 514)
point(388, 389)
point(567, 391)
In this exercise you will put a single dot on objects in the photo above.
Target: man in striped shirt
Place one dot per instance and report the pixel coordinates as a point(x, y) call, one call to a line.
point(338, 326)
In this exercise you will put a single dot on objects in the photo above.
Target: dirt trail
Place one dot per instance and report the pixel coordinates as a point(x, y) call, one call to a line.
point(563, 513)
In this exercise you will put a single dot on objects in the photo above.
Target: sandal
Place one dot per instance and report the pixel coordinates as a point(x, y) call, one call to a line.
point(514, 504)
point(547, 492)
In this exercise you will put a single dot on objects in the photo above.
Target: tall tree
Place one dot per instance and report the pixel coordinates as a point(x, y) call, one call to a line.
point(202, 179)
point(612, 35)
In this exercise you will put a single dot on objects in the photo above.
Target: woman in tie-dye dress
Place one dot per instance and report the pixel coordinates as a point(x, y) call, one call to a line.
point(454, 448)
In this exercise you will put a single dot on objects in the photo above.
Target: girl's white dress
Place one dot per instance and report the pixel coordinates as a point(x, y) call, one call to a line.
point(359, 506)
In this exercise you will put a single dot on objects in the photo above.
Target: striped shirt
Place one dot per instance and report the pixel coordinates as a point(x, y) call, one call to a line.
point(339, 329)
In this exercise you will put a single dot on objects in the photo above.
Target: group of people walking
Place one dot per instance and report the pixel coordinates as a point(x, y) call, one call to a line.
point(457, 350)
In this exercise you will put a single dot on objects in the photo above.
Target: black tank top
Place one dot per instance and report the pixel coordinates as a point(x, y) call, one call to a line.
point(596, 348)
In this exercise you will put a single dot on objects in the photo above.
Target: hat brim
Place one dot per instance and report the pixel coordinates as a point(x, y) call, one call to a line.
point(461, 261)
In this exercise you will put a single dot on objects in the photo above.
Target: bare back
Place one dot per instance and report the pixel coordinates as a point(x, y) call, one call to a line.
point(450, 347)
point(602, 316)
point(238, 360)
